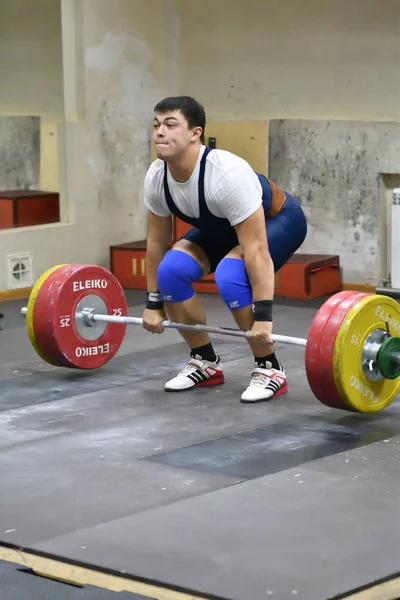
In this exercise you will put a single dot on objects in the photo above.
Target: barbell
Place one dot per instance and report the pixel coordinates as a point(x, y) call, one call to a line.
point(76, 317)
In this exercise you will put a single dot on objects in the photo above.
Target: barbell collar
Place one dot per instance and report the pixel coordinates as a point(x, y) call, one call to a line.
point(86, 315)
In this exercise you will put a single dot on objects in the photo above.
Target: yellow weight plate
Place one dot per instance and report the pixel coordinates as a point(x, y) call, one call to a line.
point(30, 310)
point(359, 392)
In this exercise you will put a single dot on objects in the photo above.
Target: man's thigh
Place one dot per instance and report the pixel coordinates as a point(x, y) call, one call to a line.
point(286, 232)
point(236, 252)
point(208, 252)
point(195, 251)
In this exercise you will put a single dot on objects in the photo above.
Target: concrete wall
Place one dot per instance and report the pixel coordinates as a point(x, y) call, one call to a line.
point(19, 153)
point(245, 59)
point(118, 61)
point(335, 169)
point(310, 63)
point(292, 59)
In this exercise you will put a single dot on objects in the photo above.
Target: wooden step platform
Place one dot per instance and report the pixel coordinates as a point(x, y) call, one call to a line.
point(24, 208)
point(303, 276)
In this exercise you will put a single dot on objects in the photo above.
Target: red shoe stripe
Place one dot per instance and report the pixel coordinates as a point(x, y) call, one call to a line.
point(281, 390)
point(214, 380)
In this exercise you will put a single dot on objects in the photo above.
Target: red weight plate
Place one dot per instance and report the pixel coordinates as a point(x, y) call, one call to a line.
point(327, 349)
point(314, 342)
point(65, 296)
point(320, 341)
point(64, 338)
point(41, 309)
point(30, 316)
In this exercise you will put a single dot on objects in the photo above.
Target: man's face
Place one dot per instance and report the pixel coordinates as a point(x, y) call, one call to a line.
point(171, 135)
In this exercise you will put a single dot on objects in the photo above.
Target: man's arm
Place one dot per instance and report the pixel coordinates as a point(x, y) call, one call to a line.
point(159, 240)
point(260, 269)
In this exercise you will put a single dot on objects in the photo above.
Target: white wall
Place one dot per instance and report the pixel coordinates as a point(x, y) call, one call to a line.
point(118, 62)
point(301, 59)
point(306, 65)
point(31, 58)
point(242, 58)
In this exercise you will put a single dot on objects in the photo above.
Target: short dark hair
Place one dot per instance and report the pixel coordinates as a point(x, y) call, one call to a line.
point(191, 109)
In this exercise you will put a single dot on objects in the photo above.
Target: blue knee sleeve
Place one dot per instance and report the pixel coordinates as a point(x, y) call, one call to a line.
point(233, 283)
point(176, 273)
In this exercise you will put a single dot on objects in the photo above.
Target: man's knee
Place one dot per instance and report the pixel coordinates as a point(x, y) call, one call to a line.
point(176, 273)
point(233, 283)
point(195, 251)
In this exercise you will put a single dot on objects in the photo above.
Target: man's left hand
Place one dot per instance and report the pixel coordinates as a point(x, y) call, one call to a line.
point(261, 332)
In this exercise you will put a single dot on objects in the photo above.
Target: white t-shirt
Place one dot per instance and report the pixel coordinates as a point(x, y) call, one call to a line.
point(232, 189)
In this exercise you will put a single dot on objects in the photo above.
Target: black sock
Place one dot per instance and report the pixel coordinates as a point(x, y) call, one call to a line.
point(270, 358)
point(206, 352)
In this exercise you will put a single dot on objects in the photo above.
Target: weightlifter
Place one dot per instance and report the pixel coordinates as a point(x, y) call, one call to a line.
point(244, 229)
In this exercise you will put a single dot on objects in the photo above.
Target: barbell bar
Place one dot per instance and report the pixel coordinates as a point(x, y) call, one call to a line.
point(89, 316)
point(77, 316)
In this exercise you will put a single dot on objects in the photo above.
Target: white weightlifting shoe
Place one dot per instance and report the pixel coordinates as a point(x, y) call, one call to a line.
point(265, 384)
point(197, 373)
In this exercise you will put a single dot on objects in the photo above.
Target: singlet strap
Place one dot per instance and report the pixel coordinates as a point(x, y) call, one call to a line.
point(202, 200)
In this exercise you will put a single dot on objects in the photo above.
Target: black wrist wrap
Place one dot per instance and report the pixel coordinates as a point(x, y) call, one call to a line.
point(262, 310)
point(153, 301)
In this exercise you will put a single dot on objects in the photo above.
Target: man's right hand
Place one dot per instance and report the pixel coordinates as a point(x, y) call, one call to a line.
point(152, 320)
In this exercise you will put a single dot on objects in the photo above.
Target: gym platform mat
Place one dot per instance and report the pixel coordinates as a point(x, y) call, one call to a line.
point(197, 492)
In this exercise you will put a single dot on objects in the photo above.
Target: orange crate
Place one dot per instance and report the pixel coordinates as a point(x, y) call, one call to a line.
point(304, 275)
point(308, 276)
point(128, 264)
point(22, 208)
point(180, 228)
point(206, 285)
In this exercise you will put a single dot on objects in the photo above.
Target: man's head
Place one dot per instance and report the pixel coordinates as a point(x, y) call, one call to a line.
point(179, 122)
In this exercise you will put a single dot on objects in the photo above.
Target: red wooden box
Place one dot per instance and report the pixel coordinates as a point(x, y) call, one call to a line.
point(22, 208)
point(304, 276)
point(128, 264)
point(308, 276)
point(180, 228)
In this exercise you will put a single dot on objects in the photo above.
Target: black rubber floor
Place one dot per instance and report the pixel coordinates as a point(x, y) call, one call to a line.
point(193, 492)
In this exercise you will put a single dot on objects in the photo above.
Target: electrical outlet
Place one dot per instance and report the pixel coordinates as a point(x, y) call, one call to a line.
point(20, 270)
